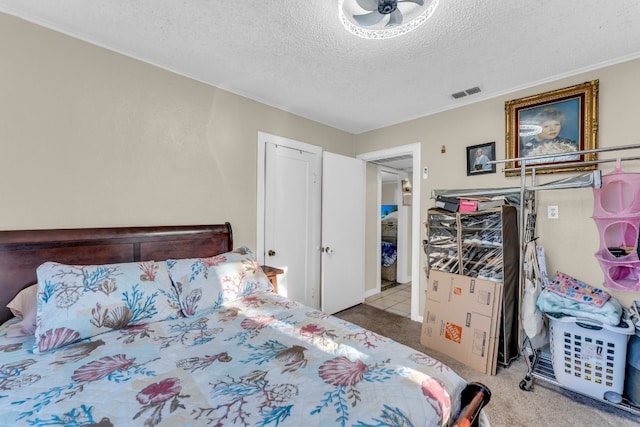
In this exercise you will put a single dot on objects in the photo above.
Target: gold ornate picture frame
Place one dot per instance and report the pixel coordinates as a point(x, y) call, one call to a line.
point(555, 123)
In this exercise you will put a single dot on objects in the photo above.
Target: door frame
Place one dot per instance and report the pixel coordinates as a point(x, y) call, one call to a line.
point(414, 150)
point(263, 139)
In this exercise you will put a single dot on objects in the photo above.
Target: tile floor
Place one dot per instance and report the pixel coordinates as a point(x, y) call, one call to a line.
point(395, 300)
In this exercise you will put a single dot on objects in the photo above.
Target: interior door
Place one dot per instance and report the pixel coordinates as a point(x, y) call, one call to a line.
point(292, 230)
point(343, 225)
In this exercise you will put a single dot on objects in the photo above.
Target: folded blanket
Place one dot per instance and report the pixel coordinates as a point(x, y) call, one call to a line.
point(568, 287)
point(610, 313)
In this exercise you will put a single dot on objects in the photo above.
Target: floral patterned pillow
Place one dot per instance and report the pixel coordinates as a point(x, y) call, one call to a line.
point(81, 301)
point(208, 283)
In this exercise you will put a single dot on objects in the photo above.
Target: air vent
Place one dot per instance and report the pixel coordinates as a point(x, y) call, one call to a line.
point(473, 90)
point(462, 94)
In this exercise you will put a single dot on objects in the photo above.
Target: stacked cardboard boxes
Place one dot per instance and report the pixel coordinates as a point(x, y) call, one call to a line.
point(461, 319)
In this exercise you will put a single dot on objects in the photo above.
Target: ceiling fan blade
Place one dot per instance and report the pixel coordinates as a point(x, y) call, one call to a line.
point(418, 2)
point(395, 18)
point(369, 5)
point(368, 19)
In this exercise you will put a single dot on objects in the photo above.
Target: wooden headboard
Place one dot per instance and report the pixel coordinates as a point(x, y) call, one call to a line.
point(22, 251)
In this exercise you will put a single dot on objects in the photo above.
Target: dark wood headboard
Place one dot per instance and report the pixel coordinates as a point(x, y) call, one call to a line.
point(22, 251)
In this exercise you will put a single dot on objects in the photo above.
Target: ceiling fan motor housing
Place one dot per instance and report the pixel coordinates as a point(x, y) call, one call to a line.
point(386, 7)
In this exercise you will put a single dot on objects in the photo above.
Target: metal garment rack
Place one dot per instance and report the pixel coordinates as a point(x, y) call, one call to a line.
point(539, 363)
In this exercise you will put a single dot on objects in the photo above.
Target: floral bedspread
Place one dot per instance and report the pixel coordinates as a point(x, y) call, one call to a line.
point(260, 361)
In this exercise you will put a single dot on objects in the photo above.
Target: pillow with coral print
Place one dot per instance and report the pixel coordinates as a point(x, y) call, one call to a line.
point(207, 283)
point(80, 301)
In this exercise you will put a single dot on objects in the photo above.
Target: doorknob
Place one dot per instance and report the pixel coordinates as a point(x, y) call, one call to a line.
point(326, 250)
point(271, 252)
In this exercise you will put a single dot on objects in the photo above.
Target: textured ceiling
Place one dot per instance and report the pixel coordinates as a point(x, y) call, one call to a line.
point(296, 56)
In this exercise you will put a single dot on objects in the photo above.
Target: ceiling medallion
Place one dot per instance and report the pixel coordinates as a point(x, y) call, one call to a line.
point(384, 19)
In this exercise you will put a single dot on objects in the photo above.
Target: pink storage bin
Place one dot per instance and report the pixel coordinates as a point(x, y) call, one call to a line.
point(619, 194)
point(620, 273)
point(468, 205)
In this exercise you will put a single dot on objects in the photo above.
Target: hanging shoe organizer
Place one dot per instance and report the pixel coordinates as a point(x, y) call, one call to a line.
point(616, 213)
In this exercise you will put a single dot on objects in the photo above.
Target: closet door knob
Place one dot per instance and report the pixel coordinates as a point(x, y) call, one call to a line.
point(271, 252)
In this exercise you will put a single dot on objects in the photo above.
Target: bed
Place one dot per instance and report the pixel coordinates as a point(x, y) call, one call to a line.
point(171, 326)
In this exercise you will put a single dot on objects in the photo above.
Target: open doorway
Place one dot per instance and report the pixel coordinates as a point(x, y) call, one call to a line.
point(408, 238)
point(394, 231)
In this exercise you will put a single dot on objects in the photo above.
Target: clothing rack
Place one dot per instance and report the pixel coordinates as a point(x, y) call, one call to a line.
point(531, 169)
point(540, 365)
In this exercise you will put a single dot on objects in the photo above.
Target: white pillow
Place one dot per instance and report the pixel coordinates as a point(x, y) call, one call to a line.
point(24, 306)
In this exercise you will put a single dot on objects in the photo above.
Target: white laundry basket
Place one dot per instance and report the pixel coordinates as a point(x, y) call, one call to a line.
point(588, 356)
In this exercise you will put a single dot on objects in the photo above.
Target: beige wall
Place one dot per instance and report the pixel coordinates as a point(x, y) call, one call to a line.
point(571, 241)
point(92, 138)
point(389, 193)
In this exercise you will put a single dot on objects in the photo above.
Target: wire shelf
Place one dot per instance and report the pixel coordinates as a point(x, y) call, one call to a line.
point(543, 370)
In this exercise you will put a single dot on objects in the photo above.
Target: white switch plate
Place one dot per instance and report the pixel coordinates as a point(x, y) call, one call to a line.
point(553, 212)
point(425, 172)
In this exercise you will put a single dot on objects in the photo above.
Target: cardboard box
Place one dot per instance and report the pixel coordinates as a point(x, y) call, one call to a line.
point(461, 319)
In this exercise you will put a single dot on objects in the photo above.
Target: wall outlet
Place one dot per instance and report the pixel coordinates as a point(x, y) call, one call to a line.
point(425, 172)
point(553, 212)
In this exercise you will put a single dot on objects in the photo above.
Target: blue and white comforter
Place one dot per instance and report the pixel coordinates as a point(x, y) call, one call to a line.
point(259, 361)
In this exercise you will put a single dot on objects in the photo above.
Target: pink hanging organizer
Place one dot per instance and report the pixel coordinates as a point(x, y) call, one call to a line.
point(616, 213)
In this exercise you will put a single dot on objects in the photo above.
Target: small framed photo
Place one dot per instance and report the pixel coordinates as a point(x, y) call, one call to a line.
point(478, 158)
point(554, 124)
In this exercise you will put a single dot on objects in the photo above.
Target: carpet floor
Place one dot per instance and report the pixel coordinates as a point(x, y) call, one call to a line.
point(545, 405)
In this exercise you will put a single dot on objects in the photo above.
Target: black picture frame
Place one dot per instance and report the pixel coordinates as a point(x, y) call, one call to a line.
point(478, 155)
